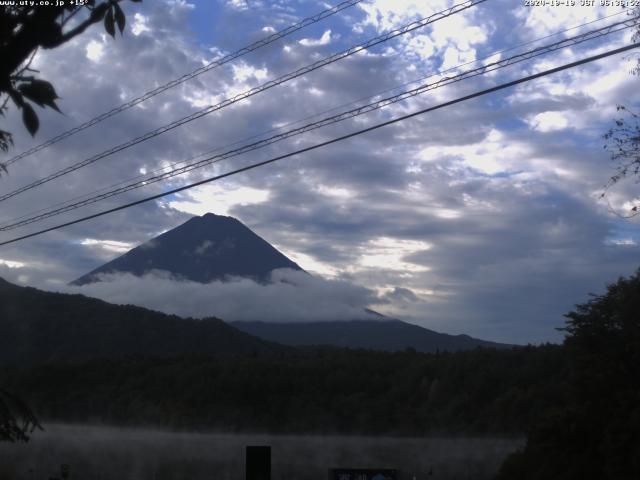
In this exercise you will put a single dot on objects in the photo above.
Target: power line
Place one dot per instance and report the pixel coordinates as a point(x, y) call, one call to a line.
point(7, 224)
point(173, 83)
point(249, 93)
point(332, 109)
point(384, 102)
point(309, 117)
point(334, 140)
point(315, 115)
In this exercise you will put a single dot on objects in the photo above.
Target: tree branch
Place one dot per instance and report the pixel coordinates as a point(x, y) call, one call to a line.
point(96, 15)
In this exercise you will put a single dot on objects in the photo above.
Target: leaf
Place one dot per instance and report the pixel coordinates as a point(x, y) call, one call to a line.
point(6, 140)
point(30, 119)
point(109, 23)
point(98, 12)
point(40, 92)
point(120, 18)
point(16, 97)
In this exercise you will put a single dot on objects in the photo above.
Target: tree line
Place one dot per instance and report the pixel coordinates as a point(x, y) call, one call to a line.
point(314, 390)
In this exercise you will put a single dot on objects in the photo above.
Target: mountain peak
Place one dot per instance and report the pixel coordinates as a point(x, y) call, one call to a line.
point(212, 216)
point(203, 249)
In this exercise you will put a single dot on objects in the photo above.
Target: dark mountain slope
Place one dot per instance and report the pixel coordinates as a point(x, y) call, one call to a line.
point(389, 335)
point(38, 326)
point(202, 249)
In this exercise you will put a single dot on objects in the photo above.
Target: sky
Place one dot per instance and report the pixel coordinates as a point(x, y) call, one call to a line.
point(483, 218)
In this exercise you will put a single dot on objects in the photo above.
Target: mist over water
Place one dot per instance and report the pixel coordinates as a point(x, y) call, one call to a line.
point(105, 453)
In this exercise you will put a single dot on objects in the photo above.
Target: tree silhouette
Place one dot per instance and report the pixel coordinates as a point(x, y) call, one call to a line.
point(17, 420)
point(26, 28)
point(622, 141)
point(596, 433)
point(623, 144)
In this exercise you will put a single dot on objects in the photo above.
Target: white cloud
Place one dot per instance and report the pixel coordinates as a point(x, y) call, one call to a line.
point(494, 154)
point(217, 199)
point(95, 50)
point(310, 264)
point(243, 72)
point(625, 242)
point(548, 121)
point(335, 192)
point(386, 253)
point(107, 245)
point(292, 296)
point(310, 42)
point(545, 20)
point(11, 264)
point(238, 4)
point(202, 249)
point(140, 24)
point(388, 14)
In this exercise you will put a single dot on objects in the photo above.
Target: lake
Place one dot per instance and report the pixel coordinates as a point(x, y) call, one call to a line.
point(105, 453)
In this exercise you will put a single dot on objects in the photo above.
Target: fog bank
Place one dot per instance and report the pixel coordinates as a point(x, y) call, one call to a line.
point(291, 296)
point(117, 453)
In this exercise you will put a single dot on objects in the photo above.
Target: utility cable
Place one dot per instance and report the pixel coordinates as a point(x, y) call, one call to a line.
point(301, 120)
point(218, 62)
point(332, 141)
point(249, 93)
point(598, 33)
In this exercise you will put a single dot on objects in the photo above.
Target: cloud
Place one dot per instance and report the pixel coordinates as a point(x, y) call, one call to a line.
point(95, 51)
point(202, 249)
point(539, 22)
point(108, 245)
point(11, 264)
point(310, 42)
point(292, 296)
point(140, 24)
point(548, 121)
point(217, 199)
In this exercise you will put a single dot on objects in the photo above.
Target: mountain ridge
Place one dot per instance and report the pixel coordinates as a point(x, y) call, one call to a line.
point(38, 326)
point(383, 334)
point(202, 249)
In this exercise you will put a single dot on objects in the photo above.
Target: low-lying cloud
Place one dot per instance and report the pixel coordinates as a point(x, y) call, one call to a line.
point(291, 296)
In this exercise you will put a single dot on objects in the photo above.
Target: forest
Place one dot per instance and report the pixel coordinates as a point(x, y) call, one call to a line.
point(314, 390)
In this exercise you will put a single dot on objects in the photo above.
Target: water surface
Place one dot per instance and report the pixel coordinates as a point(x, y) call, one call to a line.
point(105, 453)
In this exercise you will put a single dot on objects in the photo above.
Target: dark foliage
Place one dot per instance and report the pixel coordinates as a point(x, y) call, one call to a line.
point(17, 420)
point(316, 390)
point(596, 433)
point(622, 141)
point(24, 28)
point(623, 144)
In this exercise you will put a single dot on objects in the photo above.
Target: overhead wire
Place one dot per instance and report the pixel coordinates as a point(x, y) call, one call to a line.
point(316, 146)
point(489, 67)
point(251, 92)
point(218, 62)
